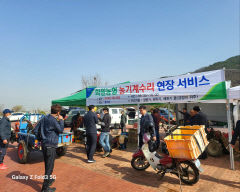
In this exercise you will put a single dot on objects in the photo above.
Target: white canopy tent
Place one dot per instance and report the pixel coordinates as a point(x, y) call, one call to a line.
point(190, 88)
point(234, 97)
point(234, 93)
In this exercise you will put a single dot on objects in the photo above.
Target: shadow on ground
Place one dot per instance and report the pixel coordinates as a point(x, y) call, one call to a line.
point(150, 178)
point(30, 182)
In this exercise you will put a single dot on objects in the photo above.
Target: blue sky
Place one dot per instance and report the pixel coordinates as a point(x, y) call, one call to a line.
point(46, 46)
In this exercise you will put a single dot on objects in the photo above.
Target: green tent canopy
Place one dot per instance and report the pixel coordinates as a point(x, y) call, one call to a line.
point(78, 99)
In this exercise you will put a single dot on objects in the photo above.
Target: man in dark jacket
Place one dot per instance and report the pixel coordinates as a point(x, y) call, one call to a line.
point(5, 134)
point(236, 135)
point(47, 131)
point(200, 118)
point(145, 117)
point(90, 120)
point(105, 131)
point(157, 119)
point(123, 121)
point(186, 116)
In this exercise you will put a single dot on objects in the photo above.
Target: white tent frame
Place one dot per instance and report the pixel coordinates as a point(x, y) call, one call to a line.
point(227, 101)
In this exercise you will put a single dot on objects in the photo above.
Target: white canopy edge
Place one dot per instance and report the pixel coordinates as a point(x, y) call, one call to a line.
point(234, 93)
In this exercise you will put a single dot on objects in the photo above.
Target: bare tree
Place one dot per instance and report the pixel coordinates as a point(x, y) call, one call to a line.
point(40, 111)
point(18, 108)
point(92, 80)
point(1, 109)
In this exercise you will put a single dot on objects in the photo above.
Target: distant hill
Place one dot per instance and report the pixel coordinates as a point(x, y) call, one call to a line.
point(231, 63)
point(232, 66)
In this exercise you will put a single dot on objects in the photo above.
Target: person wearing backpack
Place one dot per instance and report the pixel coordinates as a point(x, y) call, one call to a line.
point(47, 131)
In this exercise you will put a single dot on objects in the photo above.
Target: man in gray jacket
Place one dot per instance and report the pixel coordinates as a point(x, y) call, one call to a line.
point(145, 117)
point(5, 134)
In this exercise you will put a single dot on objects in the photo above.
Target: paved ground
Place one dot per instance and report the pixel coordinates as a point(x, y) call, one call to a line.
point(111, 174)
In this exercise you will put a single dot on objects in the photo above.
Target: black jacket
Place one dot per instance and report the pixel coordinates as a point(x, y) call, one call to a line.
point(186, 117)
point(105, 126)
point(5, 128)
point(90, 120)
point(236, 134)
point(123, 120)
point(48, 130)
point(200, 119)
point(143, 129)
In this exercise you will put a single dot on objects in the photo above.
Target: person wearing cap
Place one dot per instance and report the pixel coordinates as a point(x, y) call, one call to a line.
point(105, 131)
point(5, 134)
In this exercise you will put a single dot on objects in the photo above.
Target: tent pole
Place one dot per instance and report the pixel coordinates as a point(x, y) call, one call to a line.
point(138, 120)
point(237, 110)
point(169, 114)
point(230, 134)
point(177, 114)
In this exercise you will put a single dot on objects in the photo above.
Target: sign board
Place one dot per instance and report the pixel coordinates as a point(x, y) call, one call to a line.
point(178, 89)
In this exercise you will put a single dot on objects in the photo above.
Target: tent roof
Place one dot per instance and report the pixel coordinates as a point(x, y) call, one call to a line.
point(78, 99)
point(234, 93)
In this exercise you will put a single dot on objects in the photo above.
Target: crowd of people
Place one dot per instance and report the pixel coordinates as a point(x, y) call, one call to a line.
point(49, 127)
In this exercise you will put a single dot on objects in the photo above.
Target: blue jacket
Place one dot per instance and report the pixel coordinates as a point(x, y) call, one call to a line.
point(90, 120)
point(48, 130)
point(5, 128)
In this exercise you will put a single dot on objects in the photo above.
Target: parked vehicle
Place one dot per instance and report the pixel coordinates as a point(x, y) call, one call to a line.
point(27, 141)
point(64, 112)
point(69, 116)
point(16, 116)
point(131, 112)
point(115, 114)
point(186, 170)
point(164, 112)
point(33, 117)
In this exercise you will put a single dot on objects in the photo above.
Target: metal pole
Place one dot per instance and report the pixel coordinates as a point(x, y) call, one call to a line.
point(230, 134)
point(169, 114)
point(229, 125)
point(177, 114)
point(237, 110)
point(138, 121)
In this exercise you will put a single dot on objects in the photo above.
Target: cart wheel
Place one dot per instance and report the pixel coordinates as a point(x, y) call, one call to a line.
point(61, 151)
point(22, 152)
point(214, 148)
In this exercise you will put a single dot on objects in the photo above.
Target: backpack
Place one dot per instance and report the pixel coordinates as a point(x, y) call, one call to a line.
point(37, 130)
